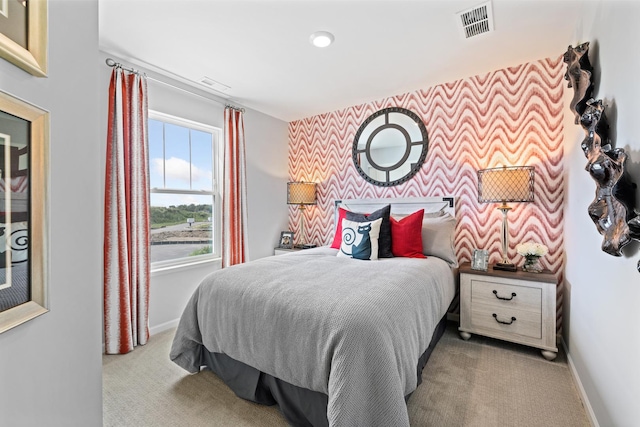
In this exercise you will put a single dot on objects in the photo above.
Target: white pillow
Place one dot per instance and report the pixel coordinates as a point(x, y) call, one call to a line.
point(360, 239)
point(438, 238)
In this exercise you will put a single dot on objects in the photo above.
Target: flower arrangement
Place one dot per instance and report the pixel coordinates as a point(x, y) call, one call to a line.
point(532, 251)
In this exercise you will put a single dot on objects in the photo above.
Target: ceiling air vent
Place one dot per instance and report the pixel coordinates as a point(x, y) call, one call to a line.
point(475, 21)
point(212, 84)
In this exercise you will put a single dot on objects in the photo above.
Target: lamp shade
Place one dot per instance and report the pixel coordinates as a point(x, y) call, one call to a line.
point(506, 184)
point(301, 193)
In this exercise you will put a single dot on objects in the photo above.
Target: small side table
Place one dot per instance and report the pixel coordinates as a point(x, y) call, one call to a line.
point(513, 306)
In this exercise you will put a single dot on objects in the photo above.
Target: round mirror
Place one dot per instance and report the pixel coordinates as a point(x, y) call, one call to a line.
point(390, 146)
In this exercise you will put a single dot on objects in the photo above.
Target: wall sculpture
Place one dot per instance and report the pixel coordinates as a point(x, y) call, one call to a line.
point(612, 210)
point(580, 76)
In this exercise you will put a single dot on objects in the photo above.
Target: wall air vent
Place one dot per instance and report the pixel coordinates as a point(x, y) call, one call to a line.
point(212, 84)
point(475, 21)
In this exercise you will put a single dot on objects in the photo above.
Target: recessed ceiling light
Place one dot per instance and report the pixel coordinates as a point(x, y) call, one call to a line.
point(321, 38)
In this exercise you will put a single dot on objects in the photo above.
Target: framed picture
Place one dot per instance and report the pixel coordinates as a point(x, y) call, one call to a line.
point(24, 165)
point(480, 260)
point(286, 240)
point(23, 35)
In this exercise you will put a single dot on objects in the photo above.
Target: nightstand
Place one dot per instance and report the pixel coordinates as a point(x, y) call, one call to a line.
point(282, 251)
point(513, 306)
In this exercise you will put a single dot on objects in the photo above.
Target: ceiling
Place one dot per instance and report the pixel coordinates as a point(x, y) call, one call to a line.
point(260, 49)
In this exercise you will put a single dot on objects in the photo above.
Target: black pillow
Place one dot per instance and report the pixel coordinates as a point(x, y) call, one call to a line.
point(384, 240)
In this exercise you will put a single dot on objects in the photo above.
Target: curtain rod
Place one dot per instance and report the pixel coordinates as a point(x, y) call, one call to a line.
point(233, 107)
point(111, 63)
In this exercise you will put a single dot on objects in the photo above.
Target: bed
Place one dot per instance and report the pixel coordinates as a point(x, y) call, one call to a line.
point(332, 340)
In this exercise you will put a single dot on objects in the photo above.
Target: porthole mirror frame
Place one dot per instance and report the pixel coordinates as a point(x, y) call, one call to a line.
point(390, 119)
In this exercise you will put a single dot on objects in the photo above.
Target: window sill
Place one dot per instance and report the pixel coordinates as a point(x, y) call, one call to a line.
point(215, 263)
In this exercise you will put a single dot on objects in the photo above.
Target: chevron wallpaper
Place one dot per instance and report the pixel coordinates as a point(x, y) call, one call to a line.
point(508, 117)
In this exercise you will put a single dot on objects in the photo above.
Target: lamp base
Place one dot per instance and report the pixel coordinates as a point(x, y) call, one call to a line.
point(504, 266)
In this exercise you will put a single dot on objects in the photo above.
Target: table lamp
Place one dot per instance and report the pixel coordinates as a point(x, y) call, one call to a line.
point(505, 185)
point(301, 194)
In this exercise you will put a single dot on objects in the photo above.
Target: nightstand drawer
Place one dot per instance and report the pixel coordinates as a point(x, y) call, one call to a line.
point(502, 295)
point(506, 320)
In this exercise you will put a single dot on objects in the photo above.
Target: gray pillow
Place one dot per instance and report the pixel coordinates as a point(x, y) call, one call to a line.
point(384, 240)
point(438, 238)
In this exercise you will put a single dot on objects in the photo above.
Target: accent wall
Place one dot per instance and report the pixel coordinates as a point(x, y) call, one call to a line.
point(512, 116)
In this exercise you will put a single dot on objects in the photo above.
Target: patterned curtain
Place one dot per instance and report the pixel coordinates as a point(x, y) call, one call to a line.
point(126, 227)
point(234, 208)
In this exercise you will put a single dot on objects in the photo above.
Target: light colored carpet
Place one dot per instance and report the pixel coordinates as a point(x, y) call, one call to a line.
point(480, 382)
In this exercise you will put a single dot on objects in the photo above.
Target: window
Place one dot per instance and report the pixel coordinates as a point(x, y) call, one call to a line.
point(185, 206)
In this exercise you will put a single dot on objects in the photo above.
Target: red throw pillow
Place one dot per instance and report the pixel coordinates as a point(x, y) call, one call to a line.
point(337, 238)
point(406, 236)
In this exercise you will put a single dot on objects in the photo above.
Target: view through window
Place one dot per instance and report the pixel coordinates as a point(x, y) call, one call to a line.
point(182, 168)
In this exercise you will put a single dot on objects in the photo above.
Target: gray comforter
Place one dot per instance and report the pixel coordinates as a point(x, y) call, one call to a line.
point(351, 329)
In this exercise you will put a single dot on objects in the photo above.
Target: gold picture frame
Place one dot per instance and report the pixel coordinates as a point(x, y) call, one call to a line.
point(34, 168)
point(32, 59)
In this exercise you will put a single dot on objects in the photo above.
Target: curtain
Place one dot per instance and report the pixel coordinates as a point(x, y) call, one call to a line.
point(234, 202)
point(126, 226)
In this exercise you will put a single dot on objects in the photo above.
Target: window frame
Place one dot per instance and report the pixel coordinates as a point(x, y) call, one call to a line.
point(216, 193)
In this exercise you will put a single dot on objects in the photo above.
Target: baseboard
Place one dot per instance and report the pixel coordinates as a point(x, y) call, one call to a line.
point(576, 380)
point(163, 326)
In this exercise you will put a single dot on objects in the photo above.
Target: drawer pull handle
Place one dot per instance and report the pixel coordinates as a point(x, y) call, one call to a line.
point(513, 294)
point(495, 316)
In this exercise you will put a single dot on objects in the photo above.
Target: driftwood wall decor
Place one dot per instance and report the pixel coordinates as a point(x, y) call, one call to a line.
point(612, 210)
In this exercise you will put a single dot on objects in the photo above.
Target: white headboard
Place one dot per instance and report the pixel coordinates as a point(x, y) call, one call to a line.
point(399, 206)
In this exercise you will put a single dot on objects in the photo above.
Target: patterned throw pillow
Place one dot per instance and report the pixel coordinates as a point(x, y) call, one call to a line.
point(360, 239)
point(384, 240)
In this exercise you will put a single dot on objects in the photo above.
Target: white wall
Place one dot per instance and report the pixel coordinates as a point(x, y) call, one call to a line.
point(603, 292)
point(267, 175)
point(50, 367)
point(267, 172)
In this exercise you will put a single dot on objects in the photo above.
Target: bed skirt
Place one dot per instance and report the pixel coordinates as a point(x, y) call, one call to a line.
point(300, 406)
